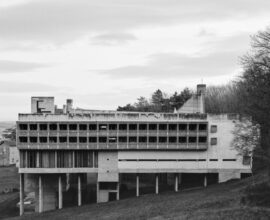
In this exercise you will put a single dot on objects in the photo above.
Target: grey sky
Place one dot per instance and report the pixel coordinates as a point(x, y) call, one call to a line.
point(107, 53)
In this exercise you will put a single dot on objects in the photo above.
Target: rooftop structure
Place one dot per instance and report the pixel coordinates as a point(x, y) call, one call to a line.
point(58, 145)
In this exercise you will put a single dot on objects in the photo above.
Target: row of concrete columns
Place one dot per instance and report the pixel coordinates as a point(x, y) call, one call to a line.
point(40, 193)
point(60, 190)
point(177, 181)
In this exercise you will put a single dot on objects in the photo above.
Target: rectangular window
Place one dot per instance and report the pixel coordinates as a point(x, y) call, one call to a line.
point(132, 140)
point(162, 127)
point(112, 127)
point(53, 139)
point(153, 127)
point(83, 139)
point(142, 139)
point(33, 139)
point(33, 127)
point(162, 139)
point(213, 159)
point(102, 139)
point(122, 139)
point(23, 139)
point(63, 127)
point(107, 185)
point(53, 127)
point(202, 139)
point(202, 127)
point(213, 141)
point(43, 127)
point(172, 127)
point(142, 126)
point(229, 159)
point(182, 140)
point(112, 139)
point(122, 126)
point(72, 139)
point(182, 127)
point(73, 127)
point(152, 139)
point(192, 127)
point(92, 139)
point(246, 160)
point(192, 139)
point(213, 129)
point(132, 127)
point(92, 127)
point(83, 127)
point(102, 127)
point(63, 139)
point(23, 126)
point(172, 139)
point(43, 139)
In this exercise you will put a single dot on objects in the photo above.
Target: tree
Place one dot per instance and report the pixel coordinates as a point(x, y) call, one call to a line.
point(142, 104)
point(255, 84)
point(157, 100)
point(254, 88)
point(246, 137)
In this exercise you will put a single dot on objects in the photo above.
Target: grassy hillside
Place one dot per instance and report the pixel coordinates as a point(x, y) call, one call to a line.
point(221, 201)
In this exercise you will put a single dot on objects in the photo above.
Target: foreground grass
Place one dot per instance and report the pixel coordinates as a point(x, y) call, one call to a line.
point(221, 201)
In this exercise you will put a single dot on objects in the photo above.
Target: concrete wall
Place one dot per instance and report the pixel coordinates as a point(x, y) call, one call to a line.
point(108, 166)
point(42, 104)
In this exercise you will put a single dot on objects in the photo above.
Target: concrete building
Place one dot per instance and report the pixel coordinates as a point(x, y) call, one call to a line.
point(60, 148)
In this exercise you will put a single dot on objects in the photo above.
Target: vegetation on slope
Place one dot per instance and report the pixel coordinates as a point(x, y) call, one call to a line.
point(221, 201)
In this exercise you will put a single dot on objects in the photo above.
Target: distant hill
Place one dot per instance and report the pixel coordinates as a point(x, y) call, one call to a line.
point(6, 124)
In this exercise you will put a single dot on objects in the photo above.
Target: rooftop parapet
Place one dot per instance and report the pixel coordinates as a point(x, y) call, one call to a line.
point(113, 116)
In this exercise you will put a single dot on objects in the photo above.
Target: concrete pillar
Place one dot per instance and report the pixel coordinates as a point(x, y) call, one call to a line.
point(176, 183)
point(97, 192)
point(118, 191)
point(60, 193)
point(137, 185)
point(205, 180)
point(21, 194)
point(179, 179)
point(156, 183)
point(40, 188)
point(79, 191)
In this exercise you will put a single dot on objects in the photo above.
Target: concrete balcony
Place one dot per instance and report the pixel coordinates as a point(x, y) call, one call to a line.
point(132, 133)
point(33, 133)
point(92, 133)
point(53, 133)
point(23, 133)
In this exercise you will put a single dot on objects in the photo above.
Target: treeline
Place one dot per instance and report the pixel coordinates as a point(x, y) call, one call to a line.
point(159, 102)
point(248, 94)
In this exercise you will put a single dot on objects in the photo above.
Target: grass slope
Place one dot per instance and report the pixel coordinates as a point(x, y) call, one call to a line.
point(221, 201)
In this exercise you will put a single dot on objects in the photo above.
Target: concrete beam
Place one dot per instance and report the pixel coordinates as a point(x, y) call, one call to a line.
point(137, 185)
point(21, 194)
point(79, 191)
point(60, 193)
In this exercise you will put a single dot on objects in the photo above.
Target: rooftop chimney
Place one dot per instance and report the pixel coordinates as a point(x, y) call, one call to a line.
point(69, 105)
point(201, 89)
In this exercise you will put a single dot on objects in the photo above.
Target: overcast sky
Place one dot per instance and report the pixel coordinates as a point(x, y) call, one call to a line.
point(105, 53)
